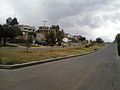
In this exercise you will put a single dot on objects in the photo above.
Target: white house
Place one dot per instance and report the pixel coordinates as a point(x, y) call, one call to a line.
point(25, 29)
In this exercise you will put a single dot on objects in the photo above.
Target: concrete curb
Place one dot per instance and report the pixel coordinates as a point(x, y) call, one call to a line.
point(16, 66)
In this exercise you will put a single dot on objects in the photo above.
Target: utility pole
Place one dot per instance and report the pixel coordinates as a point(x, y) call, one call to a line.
point(44, 23)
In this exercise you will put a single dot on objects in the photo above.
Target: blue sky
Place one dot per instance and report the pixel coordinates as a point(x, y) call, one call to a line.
point(91, 18)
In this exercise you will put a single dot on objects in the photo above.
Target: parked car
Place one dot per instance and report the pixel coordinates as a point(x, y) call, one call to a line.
point(44, 43)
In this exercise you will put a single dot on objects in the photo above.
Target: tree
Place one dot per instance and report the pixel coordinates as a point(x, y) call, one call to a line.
point(8, 21)
point(51, 40)
point(12, 22)
point(59, 37)
point(99, 40)
point(118, 43)
point(55, 27)
point(1, 33)
point(18, 31)
point(81, 38)
point(28, 42)
point(9, 32)
point(117, 39)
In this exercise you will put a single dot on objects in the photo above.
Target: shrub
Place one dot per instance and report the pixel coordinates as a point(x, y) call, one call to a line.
point(87, 46)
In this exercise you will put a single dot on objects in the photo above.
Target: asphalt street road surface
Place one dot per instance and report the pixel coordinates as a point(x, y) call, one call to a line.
point(96, 71)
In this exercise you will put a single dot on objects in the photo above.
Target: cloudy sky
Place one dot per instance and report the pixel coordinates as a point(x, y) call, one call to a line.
point(91, 18)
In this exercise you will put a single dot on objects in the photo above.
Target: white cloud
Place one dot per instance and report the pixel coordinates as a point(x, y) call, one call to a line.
point(92, 18)
point(6, 10)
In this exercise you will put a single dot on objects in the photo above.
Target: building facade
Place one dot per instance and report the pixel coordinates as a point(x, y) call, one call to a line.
point(25, 30)
point(42, 33)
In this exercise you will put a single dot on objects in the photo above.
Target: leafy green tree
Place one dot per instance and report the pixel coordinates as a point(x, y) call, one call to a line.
point(30, 38)
point(1, 33)
point(14, 22)
point(81, 38)
point(117, 39)
point(99, 40)
point(51, 40)
point(11, 21)
point(59, 37)
point(55, 27)
point(28, 43)
point(9, 32)
point(8, 21)
point(18, 31)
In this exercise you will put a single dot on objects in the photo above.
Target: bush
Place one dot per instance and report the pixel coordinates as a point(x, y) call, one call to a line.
point(87, 46)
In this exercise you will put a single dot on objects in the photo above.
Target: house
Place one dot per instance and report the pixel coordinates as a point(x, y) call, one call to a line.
point(42, 33)
point(67, 35)
point(25, 30)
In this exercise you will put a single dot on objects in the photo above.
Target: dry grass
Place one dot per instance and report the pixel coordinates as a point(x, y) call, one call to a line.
point(12, 57)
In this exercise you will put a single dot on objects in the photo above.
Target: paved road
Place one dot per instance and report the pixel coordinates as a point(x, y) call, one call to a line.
point(97, 71)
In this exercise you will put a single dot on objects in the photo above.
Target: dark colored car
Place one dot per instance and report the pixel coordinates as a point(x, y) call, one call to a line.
point(44, 43)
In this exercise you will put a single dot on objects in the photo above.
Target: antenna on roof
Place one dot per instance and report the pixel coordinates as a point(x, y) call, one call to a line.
point(44, 22)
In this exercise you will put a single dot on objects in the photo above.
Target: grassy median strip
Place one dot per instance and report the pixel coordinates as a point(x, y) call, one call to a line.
point(16, 57)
